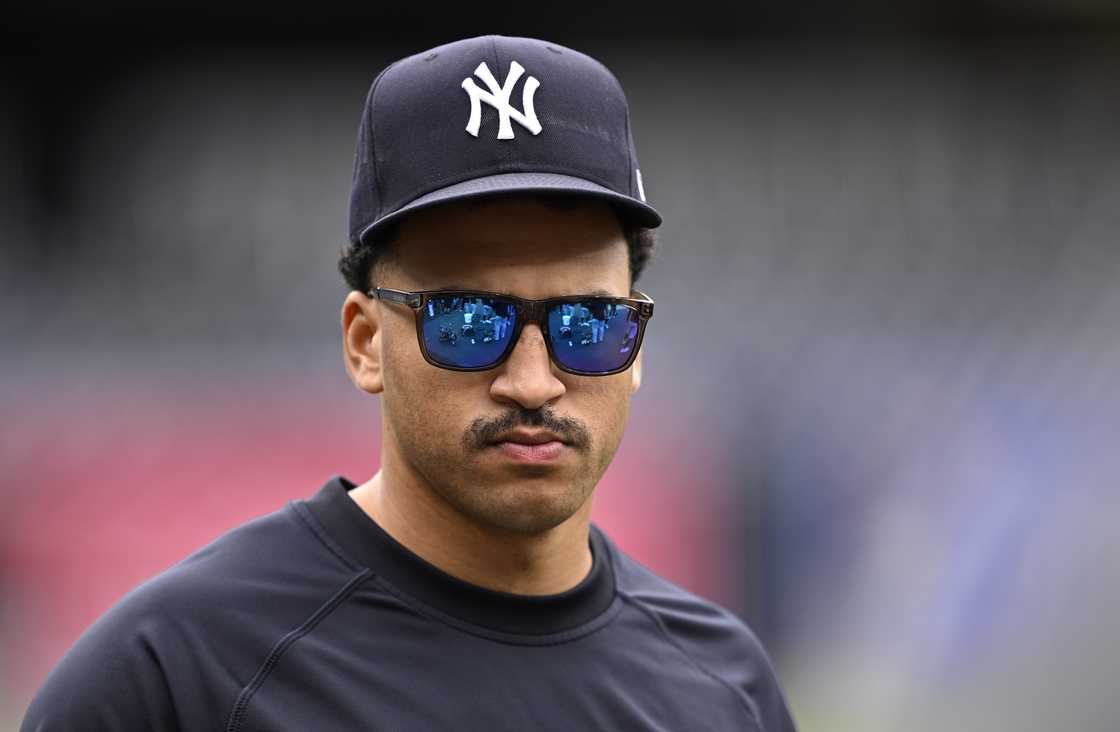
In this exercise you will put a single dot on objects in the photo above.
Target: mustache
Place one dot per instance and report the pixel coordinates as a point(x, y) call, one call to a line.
point(483, 431)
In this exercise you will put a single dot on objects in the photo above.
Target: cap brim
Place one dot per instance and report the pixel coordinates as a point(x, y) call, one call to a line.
point(503, 183)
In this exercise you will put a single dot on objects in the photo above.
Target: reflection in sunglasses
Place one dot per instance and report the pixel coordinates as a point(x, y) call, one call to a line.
point(474, 331)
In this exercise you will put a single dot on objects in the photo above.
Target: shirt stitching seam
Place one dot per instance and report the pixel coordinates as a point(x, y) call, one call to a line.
point(237, 714)
point(738, 693)
point(320, 533)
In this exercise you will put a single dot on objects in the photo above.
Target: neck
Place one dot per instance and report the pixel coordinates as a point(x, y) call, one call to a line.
point(414, 514)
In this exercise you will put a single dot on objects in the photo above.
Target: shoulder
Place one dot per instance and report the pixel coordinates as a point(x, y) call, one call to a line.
point(713, 637)
point(261, 567)
point(191, 636)
point(702, 625)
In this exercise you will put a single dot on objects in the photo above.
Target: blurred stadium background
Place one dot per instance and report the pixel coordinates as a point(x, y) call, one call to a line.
point(881, 403)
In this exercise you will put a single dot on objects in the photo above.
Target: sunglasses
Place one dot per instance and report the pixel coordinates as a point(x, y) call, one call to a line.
point(464, 330)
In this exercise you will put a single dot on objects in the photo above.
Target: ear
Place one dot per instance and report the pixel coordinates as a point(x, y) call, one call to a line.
point(636, 373)
point(361, 341)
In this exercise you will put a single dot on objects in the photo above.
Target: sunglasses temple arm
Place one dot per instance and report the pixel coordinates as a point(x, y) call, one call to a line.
point(411, 299)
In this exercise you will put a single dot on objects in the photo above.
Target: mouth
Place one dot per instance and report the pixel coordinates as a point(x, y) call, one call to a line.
point(524, 437)
point(530, 447)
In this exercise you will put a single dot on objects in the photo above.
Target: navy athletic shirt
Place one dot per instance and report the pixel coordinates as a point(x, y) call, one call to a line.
point(314, 619)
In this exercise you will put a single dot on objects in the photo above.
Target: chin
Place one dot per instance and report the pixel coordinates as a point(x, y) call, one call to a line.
point(524, 507)
point(528, 523)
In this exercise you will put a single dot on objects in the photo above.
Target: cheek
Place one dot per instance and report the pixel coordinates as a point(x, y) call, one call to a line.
point(408, 377)
point(413, 387)
point(422, 402)
point(605, 405)
point(399, 353)
point(406, 373)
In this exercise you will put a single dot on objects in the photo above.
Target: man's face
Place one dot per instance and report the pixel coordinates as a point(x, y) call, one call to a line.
point(443, 423)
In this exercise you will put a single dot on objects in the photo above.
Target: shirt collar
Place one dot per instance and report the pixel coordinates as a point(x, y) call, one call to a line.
point(367, 543)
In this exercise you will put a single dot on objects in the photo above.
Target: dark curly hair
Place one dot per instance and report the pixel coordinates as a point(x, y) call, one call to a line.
point(358, 262)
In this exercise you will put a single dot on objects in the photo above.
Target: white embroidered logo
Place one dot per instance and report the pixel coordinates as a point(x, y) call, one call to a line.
point(498, 98)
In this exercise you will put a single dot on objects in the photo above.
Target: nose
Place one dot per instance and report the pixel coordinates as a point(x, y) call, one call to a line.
point(527, 377)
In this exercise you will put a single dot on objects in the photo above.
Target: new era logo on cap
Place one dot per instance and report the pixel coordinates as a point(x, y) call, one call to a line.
point(572, 132)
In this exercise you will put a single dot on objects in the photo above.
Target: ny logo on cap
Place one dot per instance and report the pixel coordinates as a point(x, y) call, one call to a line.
point(498, 98)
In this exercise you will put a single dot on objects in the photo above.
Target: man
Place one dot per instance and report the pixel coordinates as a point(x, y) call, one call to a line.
point(462, 586)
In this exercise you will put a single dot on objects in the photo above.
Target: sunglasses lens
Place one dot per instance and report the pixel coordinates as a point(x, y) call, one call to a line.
point(467, 332)
point(592, 336)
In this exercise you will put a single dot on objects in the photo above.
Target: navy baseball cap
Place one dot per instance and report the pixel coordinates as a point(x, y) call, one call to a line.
point(492, 115)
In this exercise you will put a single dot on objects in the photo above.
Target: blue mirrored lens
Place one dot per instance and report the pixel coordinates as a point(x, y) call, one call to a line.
point(467, 332)
point(593, 336)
